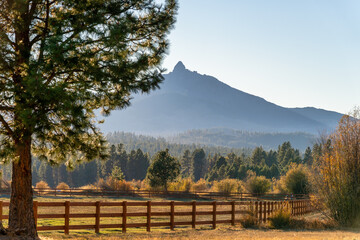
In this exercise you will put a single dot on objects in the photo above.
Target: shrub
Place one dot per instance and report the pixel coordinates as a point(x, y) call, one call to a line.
point(280, 218)
point(62, 186)
point(183, 184)
point(228, 186)
point(42, 185)
point(297, 180)
point(337, 169)
point(200, 185)
point(114, 184)
point(258, 184)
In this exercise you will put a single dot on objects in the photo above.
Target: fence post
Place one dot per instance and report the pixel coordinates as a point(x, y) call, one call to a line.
point(256, 210)
point(265, 209)
point(172, 215)
point(214, 215)
point(233, 213)
point(35, 204)
point(97, 217)
point(148, 216)
point(67, 216)
point(193, 220)
point(260, 212)
point(1, 210)
point(124, 217)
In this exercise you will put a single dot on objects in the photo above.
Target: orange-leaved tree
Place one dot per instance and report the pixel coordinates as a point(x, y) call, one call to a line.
point(337, 168)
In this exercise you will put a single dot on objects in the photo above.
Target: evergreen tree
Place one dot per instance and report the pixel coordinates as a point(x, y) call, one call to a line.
point(187, 165)
point(198, 157)
point(308, 158)
point(117, 174)
point(59, 62)
point(163, 169)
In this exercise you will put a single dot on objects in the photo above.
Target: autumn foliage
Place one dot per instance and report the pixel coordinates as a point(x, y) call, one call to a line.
point(337, 169)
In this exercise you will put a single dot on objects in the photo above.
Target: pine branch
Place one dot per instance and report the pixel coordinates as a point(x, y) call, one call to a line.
point(6, 125)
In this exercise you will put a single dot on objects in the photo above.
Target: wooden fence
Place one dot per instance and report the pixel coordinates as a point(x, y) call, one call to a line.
point(238, 196)
point(173, 213)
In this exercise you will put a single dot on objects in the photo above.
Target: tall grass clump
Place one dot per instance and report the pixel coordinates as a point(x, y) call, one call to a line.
point(250, 220)
point(281, 218)
point(337, 171)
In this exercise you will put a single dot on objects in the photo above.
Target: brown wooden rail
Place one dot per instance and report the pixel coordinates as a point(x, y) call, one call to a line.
point(236, 196)
point(234, 210)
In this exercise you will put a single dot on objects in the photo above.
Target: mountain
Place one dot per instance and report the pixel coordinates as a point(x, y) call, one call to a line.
point(189, 100)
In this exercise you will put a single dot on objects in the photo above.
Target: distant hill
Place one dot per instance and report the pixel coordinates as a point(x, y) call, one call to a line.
point(151, 145)
point(243, 139)
point(189, 100)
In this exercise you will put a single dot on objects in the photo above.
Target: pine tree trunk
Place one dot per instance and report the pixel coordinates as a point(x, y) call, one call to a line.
point(21, 215)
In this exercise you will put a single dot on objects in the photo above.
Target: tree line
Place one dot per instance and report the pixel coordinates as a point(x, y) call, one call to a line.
point(195, 164)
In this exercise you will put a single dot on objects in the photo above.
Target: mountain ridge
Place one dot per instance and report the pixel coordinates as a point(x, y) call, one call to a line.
point(189, 100)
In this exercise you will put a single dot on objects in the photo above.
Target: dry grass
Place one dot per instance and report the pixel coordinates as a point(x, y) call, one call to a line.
point(223, 233)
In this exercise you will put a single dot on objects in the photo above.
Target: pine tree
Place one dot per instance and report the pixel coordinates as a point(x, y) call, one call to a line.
point(163, 169)
point(198, 157)
point(59, 62)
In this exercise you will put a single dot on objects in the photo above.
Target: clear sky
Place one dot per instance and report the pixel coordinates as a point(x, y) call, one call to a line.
point(294, 53)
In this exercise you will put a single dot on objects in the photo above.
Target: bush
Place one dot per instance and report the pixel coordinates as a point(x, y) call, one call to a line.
point(62, 186)
point(183, 185)
point(297, 181)
point(258, 184)
point(114, 184)
point(200, 185)
point(228, 186)
point(42, 185)
point(280, 218)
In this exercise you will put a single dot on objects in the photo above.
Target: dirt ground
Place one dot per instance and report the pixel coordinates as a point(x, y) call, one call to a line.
point(224, 233)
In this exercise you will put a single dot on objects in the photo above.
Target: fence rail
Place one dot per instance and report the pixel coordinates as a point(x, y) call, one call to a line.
point(173, 213)
point(239, 196)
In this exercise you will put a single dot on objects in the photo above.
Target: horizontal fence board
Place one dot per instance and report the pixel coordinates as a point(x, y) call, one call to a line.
point(78, 227)
point(82, 215)
point(201, 213)
point(134, 225)
point(136, 214)
point(182, 223)
point(51, 215)
point(111, 215)
point(51, 204)
point(182, 213)
point(157, 214)
point(204, 222)
point(82, 204)
point(160, 224)
point(110, 225)
point(136, 204)
point(50, 228)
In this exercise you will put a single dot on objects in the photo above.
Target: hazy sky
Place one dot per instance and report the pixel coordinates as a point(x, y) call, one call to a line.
point(294, 53)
